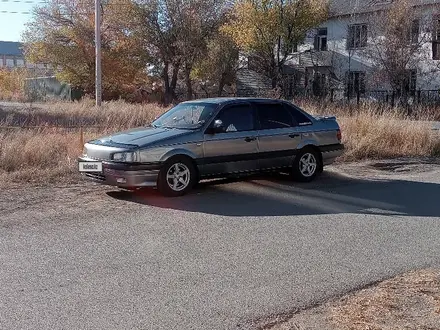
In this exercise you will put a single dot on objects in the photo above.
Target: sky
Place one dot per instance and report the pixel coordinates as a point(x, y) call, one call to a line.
point(12, 25)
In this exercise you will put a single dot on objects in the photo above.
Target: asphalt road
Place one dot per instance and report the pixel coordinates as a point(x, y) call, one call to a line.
point(87, 257)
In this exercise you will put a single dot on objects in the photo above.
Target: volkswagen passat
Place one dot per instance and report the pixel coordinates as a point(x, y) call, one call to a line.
point(214, 138)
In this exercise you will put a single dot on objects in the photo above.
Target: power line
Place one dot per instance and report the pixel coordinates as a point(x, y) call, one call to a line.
point(23, 1)
point(15, 12)
point(77, 3)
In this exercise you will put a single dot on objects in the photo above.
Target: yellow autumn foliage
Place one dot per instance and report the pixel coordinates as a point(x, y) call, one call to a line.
point(257, 25)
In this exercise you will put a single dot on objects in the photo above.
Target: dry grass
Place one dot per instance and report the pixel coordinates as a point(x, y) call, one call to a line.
point(373, 133)
point(386, 136)
point(410, 301)
point(44, 155)
point(112, 116)
point(49, 153)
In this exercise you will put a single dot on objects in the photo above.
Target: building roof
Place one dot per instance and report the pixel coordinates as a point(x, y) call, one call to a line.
point(250, 83)
point(11, 48)
point(348, 7)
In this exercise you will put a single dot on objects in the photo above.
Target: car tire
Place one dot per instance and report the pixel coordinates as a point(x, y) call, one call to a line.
point(306, 165)
point(176, 177)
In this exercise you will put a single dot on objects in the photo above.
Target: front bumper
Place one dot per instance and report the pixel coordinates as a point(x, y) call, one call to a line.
point(124, 175)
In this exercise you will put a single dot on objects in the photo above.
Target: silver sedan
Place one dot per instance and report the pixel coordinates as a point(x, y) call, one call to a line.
point(214, 138)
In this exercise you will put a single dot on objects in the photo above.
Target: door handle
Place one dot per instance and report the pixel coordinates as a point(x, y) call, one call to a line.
point(250, 139)
point(292, 136)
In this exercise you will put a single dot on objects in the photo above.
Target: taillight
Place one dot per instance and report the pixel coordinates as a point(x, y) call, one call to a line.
point(339, 135)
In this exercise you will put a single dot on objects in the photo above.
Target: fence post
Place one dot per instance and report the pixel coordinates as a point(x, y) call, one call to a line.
point(81, 138)
point(358, 97)
point(392, 99)
point(332, 91)
point(419, 94)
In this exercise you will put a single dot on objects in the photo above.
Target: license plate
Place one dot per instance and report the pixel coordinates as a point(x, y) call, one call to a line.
point(90, 166)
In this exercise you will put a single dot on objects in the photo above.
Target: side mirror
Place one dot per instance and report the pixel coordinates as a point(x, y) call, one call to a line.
point(217, 127)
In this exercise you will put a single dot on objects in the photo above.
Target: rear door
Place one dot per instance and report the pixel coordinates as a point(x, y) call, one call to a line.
point(235, 149)
point(277, 137)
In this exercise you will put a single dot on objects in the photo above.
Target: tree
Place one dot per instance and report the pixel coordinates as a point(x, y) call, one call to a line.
point(158, 33)
point(199, 22)
point(12, 84)
point(268, 30)
point(396, 45)
point(219, 66)
point(62, 33)
point(175, 34)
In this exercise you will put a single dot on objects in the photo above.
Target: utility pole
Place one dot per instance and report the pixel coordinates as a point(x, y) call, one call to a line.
point(98, 75)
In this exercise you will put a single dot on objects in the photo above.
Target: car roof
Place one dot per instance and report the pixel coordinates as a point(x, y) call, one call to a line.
point(226, 100)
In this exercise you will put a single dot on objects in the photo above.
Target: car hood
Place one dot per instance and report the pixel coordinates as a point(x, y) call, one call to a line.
point(140, 136)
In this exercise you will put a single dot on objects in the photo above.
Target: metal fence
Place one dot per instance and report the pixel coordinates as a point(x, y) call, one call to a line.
point(386, 97)
point(49, 88)
point(425, 97)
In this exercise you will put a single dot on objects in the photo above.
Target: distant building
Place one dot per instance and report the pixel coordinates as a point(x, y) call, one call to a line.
point(334, 58)
point(11, 56)
point(335, 54)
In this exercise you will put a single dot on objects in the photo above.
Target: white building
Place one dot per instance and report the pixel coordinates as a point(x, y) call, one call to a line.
point(11, 56)
point(334, 56)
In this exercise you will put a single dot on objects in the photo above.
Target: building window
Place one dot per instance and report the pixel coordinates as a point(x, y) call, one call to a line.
point(320, 42)
point(355, 83)
point(252, 63)
point(10, 62)
point(20, 62)
point(436, 39)
point(295, 47)
point(289, 85)
point(410, 83)
point(319, 84)
point(357, 36)
point(414, 32)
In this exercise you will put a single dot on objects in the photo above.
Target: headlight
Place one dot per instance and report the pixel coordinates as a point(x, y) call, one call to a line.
point(84, 151)
point(126, 157)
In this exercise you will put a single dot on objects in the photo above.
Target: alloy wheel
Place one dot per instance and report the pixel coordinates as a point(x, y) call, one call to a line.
point(178, 177)
point(308, 165)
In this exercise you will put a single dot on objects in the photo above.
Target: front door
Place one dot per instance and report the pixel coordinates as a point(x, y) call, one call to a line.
point(235, 149)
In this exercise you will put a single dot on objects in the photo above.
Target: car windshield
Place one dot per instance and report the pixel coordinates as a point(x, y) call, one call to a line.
point(186, 116)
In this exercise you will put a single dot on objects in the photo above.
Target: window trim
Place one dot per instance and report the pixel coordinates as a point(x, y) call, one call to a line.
point(362, 90)
point(436, 38)
point(414, 38)
point(317, 44)
point(411, 82)
point(349, 35)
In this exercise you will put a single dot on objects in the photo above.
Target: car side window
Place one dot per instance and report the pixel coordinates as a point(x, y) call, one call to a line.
point(237, 118)
point(299, 118)
point(273, 116)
